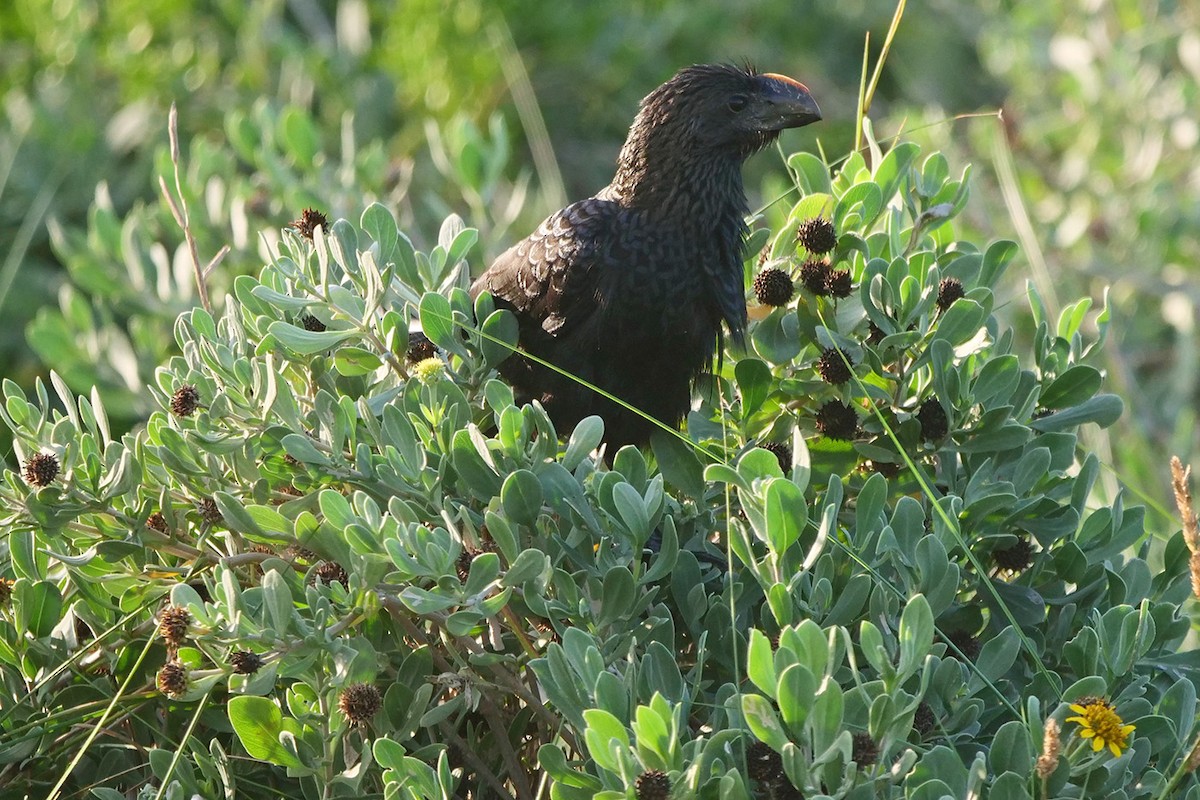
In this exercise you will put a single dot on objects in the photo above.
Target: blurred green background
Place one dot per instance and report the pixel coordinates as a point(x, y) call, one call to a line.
point(500, 112)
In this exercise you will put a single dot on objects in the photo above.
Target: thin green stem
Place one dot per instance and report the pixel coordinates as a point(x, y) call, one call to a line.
point(99, 726)
point(187, 735)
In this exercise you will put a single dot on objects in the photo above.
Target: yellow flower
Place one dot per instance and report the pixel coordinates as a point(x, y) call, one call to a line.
point(429, 370)
point(1102, 724)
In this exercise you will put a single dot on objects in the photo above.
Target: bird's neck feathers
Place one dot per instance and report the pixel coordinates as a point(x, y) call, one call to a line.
point(667, 170)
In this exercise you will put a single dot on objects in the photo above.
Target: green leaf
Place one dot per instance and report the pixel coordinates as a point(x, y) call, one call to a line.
point(499, 336)
point(423, 601)
point(678, 463)
point(812, 176)
point(355, 361)
point(1009, 786)
point(632, 510)
point(916, 636)
point(722, 473)
point(825, 719)
point(258, 722)
point(760, 663)
point(104, 793)
point(280, 301)
point(302, 449)
point(604, 733)
point(37, 607)
point(653, 736)
point(277, 597)
point(378, 223)
point(521, 496)
point(786, 514)
point(463, 241)
point(299, 135)
point(437, 321)
point(1073, 387)
point(995, 261)
point(618, 596)
point(763, 721)
point(863, 199)
point(871, 641)
point(797, 690)
point(960, 322)
point(307, 343)
point(463, 623)
point(529, 565)
point(997, 380)
point(485, 569)
point(1103, 409)
point(753, 379)
point(481, 480)
point(1011, 750)
point(388, 754)
point(584, 439)
point(942, 766)
point(777, 337)
point(552, 759)
point(996, 657)
point(27, 560)
point(894, 168)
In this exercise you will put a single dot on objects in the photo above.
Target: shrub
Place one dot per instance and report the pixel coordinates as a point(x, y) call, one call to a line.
point(383, 577)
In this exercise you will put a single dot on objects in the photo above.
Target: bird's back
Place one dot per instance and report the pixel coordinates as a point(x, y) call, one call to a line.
point(617, 298)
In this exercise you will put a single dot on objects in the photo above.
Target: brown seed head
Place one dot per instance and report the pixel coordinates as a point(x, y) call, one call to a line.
point(301, 553)
point(172, 679)
point(311, 323)
point(157, 522)
point(359, 702)
point(839, 283)
point(967, 644)
point(865, 751)
point(832, 367)
point(419, 347)
point(462, 564)
point(782, 452)
point(1015, 558)
point(185, 401)
point(173, 625)
point(245, 662)
point(949, 290)
point(888, 469)
point(652, 785)
point(330, 572)
point(209, 511)
point(836, 420)
point(310, 218)
point(817, 235)
point(773, 287)
point(41, 469)
point(814, 274)
point(934, 423)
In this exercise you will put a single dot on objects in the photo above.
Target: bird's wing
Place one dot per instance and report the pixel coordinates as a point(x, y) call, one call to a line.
point(551, 278)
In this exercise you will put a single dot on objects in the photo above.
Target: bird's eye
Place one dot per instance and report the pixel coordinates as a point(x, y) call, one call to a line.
point(737, 103)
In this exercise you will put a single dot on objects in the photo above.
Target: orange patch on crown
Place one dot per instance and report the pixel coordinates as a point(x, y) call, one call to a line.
point(786, 79)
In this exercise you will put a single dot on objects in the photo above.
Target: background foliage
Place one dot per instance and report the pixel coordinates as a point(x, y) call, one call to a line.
point(461, 109)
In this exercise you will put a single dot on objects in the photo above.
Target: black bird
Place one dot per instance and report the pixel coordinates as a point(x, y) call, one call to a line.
point(628, 289)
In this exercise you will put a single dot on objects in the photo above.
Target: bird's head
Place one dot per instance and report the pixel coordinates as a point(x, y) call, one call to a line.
point(728, 109)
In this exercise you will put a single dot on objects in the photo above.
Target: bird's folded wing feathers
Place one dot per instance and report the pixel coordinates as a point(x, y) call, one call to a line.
point(551, 278)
